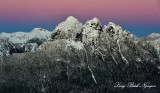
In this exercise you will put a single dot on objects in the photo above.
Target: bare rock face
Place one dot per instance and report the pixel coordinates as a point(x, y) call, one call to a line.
point(83, 59)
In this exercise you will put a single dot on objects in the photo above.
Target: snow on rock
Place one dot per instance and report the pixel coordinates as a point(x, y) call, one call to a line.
point(23, 37)
point(120, 51)
point(67, 29)
point(40, 33)
point(4, 47)
point(5, 35)
point(19, 37)
point(4, 51)
point(138, 60)
point(116, 31)
point(91, 30)
point(152, 36)
point(23, 41)
point(75, 44)
point(31, 47)
point(156, 44)
point(154, 39)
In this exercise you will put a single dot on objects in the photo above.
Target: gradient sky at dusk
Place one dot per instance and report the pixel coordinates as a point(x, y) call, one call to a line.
point(141, 17)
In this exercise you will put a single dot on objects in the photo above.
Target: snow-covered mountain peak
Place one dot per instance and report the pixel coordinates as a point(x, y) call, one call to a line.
point(72, 19)
point(69, 23)
point(116, 32)
point(91, 30)
point(39, 29)
point(40, 33)
point(154, 39)
point(93, 22)
point(67, 29)
point(5, 35)
point(153, 36)
point(111, 23)
point(114, 26)
point(95, 58)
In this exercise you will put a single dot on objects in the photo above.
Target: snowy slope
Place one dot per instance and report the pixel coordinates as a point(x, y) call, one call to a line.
point(23, 41)
point(154, 39)
point(67, 29)
point(152, 36)
point(23, 37)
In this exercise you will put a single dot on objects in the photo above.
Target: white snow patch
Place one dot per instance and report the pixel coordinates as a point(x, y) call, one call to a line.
point(158, 67)
point(138, 60)
point(124, 59)
point(77, 45)
point(114, 60)
point(92, 74)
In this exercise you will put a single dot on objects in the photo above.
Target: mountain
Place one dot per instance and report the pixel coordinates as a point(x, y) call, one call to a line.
point(84, 58)
point(154, 39)
point(20, 42)
point(67, 29)
point(152, 36)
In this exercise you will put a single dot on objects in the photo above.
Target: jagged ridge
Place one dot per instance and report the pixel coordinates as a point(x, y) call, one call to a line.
point(84, 58)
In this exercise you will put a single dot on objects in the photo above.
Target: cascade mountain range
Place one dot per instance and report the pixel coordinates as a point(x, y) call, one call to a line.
point(78, 58)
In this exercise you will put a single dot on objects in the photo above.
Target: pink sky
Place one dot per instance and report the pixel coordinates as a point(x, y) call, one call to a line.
point(51, 10)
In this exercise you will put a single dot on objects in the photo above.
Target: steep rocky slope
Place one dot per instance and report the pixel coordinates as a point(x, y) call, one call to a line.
point(83, 59)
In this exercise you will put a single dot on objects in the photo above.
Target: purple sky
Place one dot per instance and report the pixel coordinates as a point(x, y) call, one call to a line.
point(140, 17)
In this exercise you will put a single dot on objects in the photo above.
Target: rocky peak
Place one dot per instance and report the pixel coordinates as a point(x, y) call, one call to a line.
point(154, 39)
point(116, 31)
point(95, 64)
point(71, 19)
point(94, 23)
point(152, 36)
point(67, 29)
point(91, 30)
point(113, 28)
point(21, 42)
point(39, 30)
point(69, 22)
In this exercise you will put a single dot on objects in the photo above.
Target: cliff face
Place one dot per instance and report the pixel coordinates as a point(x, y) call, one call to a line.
point(83, 59)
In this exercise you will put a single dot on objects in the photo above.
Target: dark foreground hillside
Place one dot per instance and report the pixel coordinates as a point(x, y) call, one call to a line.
point(74, 71)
